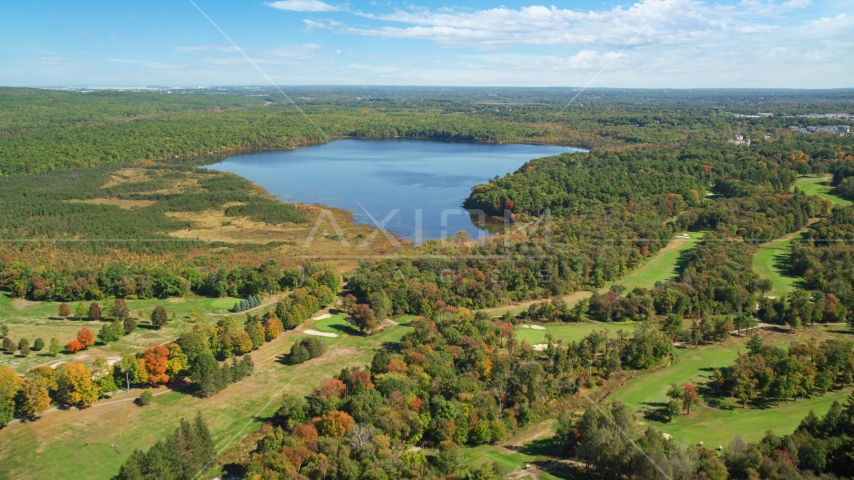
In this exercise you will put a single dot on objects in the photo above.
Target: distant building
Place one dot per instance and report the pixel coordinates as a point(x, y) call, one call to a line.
point(821, 129)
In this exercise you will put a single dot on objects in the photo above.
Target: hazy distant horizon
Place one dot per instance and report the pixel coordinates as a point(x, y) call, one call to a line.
point(597, 43)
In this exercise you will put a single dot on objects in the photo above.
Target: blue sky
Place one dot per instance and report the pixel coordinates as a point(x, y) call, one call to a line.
point(649, 43)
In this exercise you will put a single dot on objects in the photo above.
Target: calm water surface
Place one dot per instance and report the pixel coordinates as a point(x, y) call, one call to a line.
point(376, 177)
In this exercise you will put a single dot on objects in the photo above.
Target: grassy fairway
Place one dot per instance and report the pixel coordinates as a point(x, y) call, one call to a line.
point(522, 449)
point(32, 320)
point(818, 186)
point(718, 426)
point(770, 262)
point(663, 266)
point(233, 413)
point(571, 332)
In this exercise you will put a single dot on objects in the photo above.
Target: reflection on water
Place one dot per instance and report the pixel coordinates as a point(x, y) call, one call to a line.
point(424, 181)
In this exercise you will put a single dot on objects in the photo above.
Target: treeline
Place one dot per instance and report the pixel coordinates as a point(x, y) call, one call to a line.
point(612, 445)
point(141, 282)
point(666, 180)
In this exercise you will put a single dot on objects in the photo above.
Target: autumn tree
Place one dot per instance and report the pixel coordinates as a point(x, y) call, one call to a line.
point(10, 383)
point(364, 318)
point(120, 309)
point(334, 424)
point(94, 312)
point(74, 346)
point(34, 396)
point(159, 317)
point(74, 385)
point(155, 363)
point(9, 345)
point(85, 337)
point(64, 310)
point(689, 396)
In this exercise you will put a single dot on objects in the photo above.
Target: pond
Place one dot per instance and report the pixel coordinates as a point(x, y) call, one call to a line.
point(413, 188)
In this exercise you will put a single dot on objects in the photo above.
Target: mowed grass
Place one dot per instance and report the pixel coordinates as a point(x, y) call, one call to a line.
point(663, 266)
point(718, 426)
point(31, 320)
point(573, 332)
point(819, 186)
point(771, 260)
point(523, 448)
point(42, 449)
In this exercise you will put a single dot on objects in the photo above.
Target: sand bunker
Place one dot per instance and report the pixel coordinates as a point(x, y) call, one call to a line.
point(320, 334)
point(540, 347)
point(323, 317)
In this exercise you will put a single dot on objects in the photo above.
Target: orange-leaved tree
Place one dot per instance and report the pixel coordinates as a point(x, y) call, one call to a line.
point(334, 424)
point(85, 337)
point(155, 363)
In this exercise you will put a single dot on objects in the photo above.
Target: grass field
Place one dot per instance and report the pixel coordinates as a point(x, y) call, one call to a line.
point(663, 266)
point(233, 413)
point(818, 186)
point(570, 332)
point(522, 449)
point(32, 320)
point(771, 260)
point(718, 426)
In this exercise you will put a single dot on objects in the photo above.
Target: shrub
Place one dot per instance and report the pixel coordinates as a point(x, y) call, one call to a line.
point(145, 398)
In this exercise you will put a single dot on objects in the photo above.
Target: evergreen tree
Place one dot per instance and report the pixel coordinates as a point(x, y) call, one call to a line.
point(227, 379)
point(754, 344)
point(207, 374)
point(247, 366)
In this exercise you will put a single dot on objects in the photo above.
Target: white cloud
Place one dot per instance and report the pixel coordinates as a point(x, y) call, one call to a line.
point(303, 6)
point(646, 22)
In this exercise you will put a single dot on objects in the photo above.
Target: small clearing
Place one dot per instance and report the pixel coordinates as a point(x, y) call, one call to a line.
point(116, 202)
